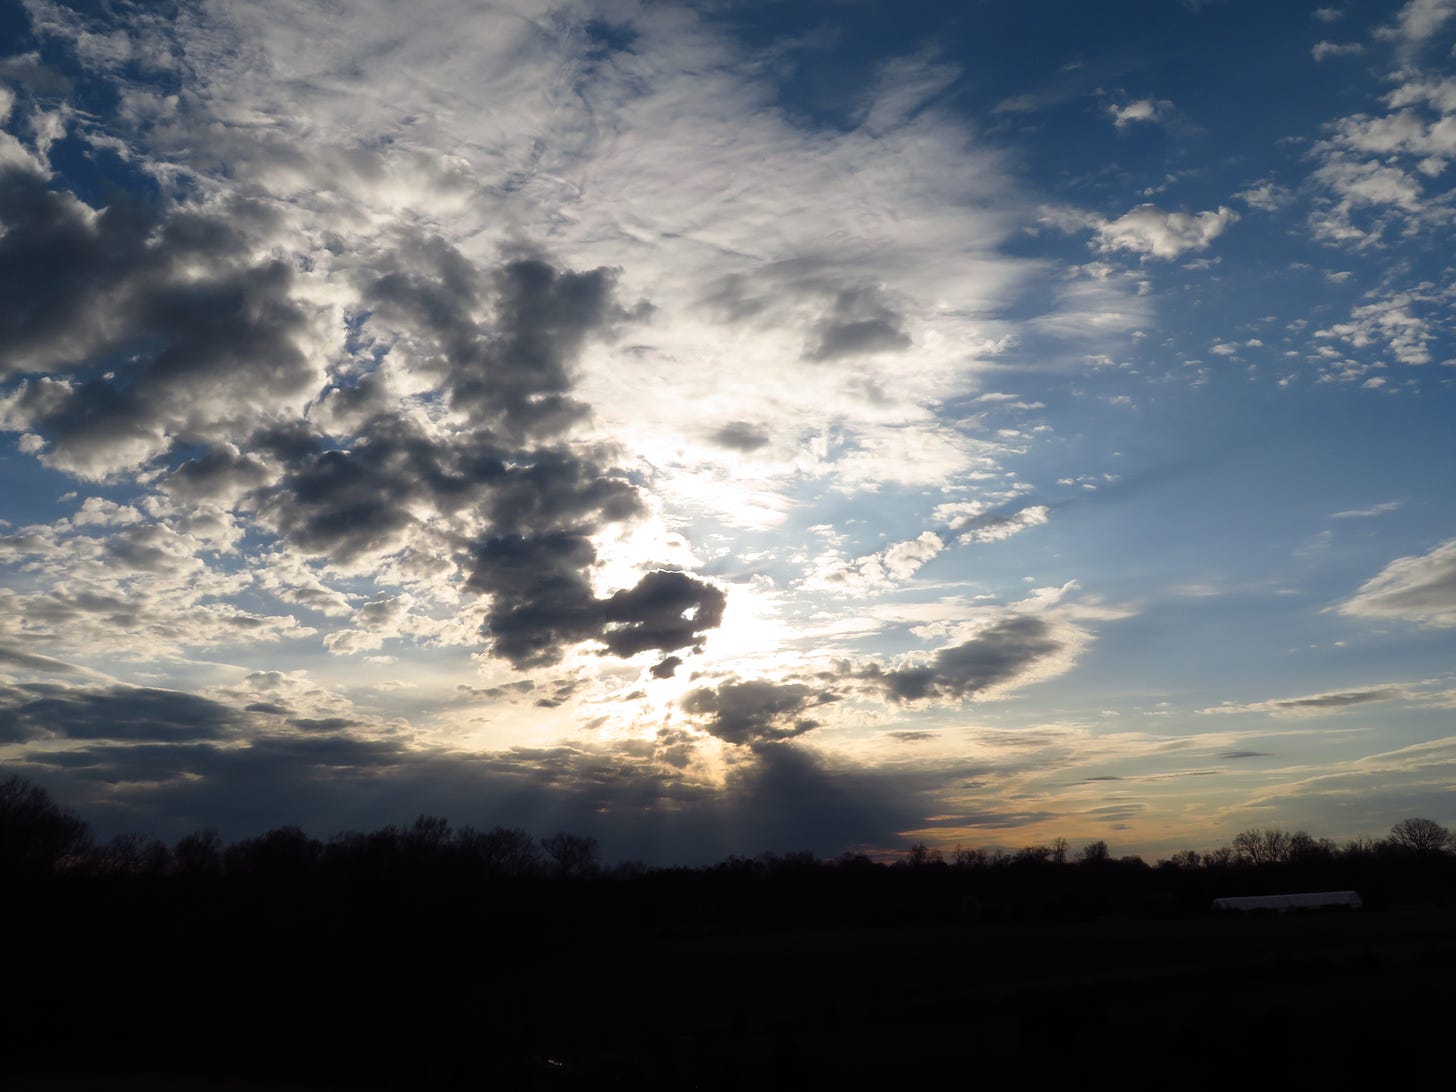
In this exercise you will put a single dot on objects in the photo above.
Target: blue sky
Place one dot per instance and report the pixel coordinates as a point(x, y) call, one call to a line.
point(729, 427)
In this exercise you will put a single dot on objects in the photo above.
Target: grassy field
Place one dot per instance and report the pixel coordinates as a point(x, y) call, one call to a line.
point(1302, 997)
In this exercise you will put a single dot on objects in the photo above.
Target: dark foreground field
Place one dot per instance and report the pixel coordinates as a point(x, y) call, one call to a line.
point(352, 989)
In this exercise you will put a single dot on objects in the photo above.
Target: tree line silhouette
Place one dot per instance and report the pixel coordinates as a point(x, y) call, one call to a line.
point(1415, 861)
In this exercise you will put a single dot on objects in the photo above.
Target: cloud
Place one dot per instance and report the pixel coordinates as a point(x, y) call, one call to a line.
point(879, 571)
point(541, 602)
point(1366, 513)
point(667, 668)
point(1141, 110)
point(1402, 324)
point(394, 481)
point(1316, 704)
point(756, 711)
point(860, 323)
point(1266, 196)
point(999, 655)
point(30, 661)
point(36, 711)
point(1375, 169)
point(777, 796)
point(324, 343)
point(912, 736)
point(207, 338)
point(1420, 589)
point(991, 526)
point(1150, 231)
point(1322, 51)
point(511, 375)
point(1418, 21)
point(740, 436)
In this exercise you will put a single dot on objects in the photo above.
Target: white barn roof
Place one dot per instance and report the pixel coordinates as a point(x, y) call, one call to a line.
point(1305, 900)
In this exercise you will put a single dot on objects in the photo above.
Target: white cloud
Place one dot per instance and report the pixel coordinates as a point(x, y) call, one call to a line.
point(1365, 513)
point(1141, 110)
point(1419, 589)
point(1266, 196)
point(1324, 50)
point(1400, 133)
point(904, 559)
point(1149, 230)
point(997, 528)
point(1418, 21)
point(1372, 165)
point(1357, 185)
point(876, 572)
point(1402, 324)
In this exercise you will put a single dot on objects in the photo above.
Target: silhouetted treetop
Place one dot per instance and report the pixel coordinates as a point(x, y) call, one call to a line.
point(36, 834)
point(574, 854)
point(1421, 835)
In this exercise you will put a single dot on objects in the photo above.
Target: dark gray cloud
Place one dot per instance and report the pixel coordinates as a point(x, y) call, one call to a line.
point(854, 321)
point(996, 655)
point(633, 799)
point(28, 71)
point(664, 611)
point(167, 763)
point(540, 597)
point(667, 668)
point(31, 661)
point(539, 502)
point(740, 436)
point(511, 374)
point(860, 323)
point(756, 711)
point(151, 548)
point(1341, 700)
point(221, 475)
point(167, 326)
point(1243, 754)
point(553, 490)
point(174, 335)
point(541, 602)
point(344, 503)
point(45, 710)
point(323, 724)
point(52, 262)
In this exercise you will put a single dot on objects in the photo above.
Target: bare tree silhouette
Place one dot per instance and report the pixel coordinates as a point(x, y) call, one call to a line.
point(574, 855)
point(1262, 847)
point(1420, 835)
point(37, 836)
point(199, 854)
point(501, 851)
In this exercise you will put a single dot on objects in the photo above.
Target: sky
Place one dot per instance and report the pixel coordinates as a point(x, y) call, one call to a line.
point(730, 427)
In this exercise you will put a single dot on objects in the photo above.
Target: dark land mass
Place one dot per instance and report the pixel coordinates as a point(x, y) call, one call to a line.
point(171, 984)
point(429, 958)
